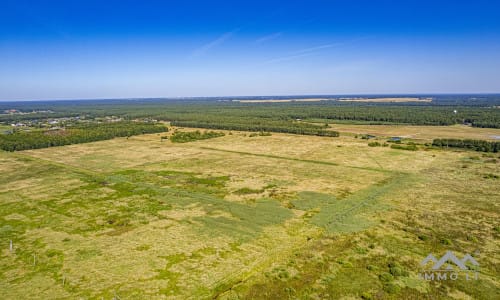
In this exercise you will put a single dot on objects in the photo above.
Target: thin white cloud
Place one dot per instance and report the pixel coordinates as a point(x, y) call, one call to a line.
point(218, 41)
point(313, 49)
point(285, 58)
point(302, 53)
point(268, 38)
point(310, 51)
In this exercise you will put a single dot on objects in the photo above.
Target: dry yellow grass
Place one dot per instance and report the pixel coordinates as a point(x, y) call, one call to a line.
point(185, 251)
point(426, 133)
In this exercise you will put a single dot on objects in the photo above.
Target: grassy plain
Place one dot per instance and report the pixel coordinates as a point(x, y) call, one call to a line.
point(239, 217)
point(422, 133)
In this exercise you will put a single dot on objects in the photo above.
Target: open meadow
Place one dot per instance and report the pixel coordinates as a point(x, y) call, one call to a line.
point(240, 216)
point(420, 133)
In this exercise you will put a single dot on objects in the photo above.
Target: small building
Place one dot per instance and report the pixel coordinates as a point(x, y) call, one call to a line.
point(395, 139)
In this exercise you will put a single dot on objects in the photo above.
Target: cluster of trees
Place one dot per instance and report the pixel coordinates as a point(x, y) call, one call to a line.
point(486, 124)
point(477, 145)
point(75, 135)
point(258, 125)
point(184, 137)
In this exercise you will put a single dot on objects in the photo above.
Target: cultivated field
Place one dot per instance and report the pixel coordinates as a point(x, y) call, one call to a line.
point(263, 217)
point(375, 100)
point(387, 100)
point(281, 100)
point(422, 133)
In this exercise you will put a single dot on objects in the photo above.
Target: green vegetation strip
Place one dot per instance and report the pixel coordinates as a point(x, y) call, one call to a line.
point(346, 215)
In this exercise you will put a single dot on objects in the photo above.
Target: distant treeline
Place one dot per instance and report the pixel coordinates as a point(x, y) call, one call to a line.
point(74, 135)
point(184, 137)
point(224, 114)
point(260, 126)
point(477, 145)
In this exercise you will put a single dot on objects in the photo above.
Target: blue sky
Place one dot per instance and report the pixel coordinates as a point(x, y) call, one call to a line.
point(123, 49)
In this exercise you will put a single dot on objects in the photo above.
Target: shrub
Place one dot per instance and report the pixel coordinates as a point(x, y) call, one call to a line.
point(386, 277)
point(490, 176)
point(423, 237)
point(445, 241)
point(248, 191)
point(371, 267)
point(391, 288)
point(397, 270)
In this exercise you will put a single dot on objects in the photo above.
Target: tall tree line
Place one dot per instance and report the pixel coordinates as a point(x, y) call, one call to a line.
point(477, 145)
point(74, 135)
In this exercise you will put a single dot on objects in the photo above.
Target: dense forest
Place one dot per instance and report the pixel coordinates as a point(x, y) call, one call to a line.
point(477, 145)
point(82, 133)
point(221, 113)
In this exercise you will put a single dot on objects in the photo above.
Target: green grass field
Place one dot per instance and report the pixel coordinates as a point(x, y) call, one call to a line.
point(240, 217)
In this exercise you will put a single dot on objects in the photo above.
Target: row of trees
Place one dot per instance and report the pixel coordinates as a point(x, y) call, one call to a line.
point(75, 135)
point(259, 126)
point(477, 145)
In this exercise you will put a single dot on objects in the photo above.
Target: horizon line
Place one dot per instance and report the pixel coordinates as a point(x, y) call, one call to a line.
point(250, 96)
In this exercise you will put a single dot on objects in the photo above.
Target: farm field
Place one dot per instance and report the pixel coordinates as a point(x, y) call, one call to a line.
point(385, 100)
point(423, 133)
point(240, 217)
